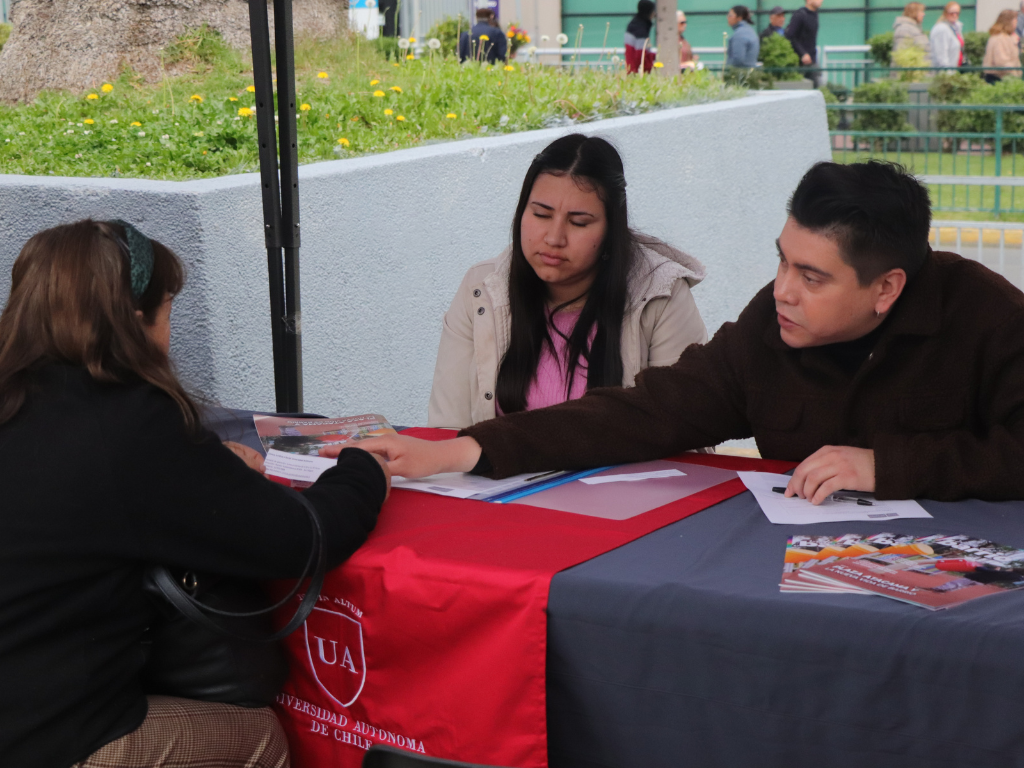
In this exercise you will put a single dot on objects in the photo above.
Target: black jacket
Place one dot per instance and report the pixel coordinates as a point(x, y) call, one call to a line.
point(802, 32)
point(98, 481)
point(491, 50)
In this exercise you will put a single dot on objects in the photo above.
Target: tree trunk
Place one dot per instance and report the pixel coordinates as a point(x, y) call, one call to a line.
point(668, 37)
point(76, 45)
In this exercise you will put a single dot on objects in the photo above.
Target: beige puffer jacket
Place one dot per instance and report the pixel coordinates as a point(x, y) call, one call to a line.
point(661, 321)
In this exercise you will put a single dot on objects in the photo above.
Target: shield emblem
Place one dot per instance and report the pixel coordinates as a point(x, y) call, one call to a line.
point(334, 643)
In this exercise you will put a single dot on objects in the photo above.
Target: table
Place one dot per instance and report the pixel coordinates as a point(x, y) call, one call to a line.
point(678, 650)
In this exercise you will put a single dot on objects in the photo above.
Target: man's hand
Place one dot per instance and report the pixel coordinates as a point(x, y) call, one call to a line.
point(805, 60)
point(252, 458)
point(411, 457)
point(833, 468)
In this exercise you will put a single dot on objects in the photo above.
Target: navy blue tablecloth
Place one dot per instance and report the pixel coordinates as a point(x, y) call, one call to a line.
point(679, 650)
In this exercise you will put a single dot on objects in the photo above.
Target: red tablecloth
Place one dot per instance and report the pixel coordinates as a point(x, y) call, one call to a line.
point(432, 637)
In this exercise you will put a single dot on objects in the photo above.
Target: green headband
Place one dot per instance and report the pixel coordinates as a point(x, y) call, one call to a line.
point(140, 255)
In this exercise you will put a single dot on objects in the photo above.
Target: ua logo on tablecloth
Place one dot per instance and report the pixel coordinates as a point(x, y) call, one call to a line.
point(334, 643)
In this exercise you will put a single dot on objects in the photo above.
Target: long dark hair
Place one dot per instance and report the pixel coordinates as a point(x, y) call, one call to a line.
point(742, 12)
point(594, 164)
point(71, 302)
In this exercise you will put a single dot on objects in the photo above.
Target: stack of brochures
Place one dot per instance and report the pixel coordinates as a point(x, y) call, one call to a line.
point(934, 572)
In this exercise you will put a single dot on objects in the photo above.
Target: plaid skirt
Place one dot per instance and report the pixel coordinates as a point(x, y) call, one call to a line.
point(182, 733)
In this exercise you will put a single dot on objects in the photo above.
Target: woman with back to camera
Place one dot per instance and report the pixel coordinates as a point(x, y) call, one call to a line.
point(1002, 49)
point(578, 301)
point(107, 470)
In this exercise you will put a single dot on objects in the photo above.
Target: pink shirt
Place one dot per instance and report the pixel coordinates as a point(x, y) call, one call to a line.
point(549, 383)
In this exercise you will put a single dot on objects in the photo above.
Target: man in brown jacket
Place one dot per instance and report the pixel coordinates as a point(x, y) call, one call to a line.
point(879, 365)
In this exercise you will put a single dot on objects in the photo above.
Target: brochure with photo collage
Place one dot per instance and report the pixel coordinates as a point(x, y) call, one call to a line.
point(934, 572)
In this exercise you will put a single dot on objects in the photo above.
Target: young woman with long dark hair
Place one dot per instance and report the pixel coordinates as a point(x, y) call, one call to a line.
point(107, 469)
point(578, 301)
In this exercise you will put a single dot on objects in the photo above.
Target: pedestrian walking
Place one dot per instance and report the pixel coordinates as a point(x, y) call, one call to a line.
point(776, 23)
point(485, 41)
point(802, 34)
point(1002, 49)
point(743, 46)
point(907, 31)
point(638, 38)
point(947, 39)
point(687, 58)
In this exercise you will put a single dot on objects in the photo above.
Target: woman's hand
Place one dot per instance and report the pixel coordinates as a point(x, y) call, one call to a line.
point(252, 458)
point(411, 457)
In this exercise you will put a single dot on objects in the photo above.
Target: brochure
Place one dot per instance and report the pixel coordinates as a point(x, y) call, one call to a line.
point(936, 571)
point(839, 507)
point(293, 444)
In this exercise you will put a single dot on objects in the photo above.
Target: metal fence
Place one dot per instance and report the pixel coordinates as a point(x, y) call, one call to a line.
point(997, 245)
point(971, 156)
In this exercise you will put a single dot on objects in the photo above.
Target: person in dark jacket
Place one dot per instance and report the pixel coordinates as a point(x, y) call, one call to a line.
point(802, 32)
point(485, 42)
point(744, 45)
point(638, 39)
point(776, 23)
point(107, 468)
point(874, 362)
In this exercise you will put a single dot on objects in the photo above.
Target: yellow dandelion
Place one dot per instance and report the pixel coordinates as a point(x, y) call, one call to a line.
point(451, 116)
point(232, 98)
point(305, 108)
point(196, 98)
point(344, 142)
point(658, 64)
point(88, 121)
point(509, 68)
point(198, 133)
point(379, 94)
point(389, 112)
point(400, 119)
point(137, 124)
point(375, 82)
point(251, 89)
point(107, 88)
point(395, 88)
point(355, 119)
point(484, 37)
point(244, 112)
point(92, 96)
point(322, 75)
point(410, 57)
point(394, 64)
point(412, 39)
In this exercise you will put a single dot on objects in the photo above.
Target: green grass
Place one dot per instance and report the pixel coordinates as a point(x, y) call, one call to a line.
point(190, 126)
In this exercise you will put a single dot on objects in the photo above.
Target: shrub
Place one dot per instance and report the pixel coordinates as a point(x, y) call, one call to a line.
point(974, 47)
point(1008, 91)
point(883, 92)
point(754, 79)
point(840, 91)
point(910, 58)
point(447, 30)
point(777, 53)
point(387, 47)
point(881, 48)
point(831, 114)
point(5, 32)
point(955, 87)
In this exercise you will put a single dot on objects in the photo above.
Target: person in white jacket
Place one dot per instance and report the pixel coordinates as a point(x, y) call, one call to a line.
point(947, 39)
point(579, 300)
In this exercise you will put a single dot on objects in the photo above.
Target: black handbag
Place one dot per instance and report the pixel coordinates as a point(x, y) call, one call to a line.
point(234, 659)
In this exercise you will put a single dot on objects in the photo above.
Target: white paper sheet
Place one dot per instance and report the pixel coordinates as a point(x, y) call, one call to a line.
point(629, 478)
point(796, 511)
point(294, 466)
point(462, 485)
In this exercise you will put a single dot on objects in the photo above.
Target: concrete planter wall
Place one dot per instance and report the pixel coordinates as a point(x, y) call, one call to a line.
point(386, 240)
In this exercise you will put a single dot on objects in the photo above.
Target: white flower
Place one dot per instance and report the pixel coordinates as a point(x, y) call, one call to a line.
point(8, 141)
point(78, 156)
point(21, 133)
point(562, 38)
point(70, 130)
point(403, 43)
point(532, 50)
point(503, 121)
point(165, 137)
point(433, 43)
point(544, 38)
point(80, 125)
point(157, 112)
point(615, 59)
point(114, 121)
point(142, 133)
point(148, 164)
point(86, 132)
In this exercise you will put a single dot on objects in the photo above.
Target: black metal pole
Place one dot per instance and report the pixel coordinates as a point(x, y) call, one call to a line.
point(280, 222)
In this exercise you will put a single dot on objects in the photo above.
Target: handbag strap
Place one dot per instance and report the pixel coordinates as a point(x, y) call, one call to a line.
point(196, 610)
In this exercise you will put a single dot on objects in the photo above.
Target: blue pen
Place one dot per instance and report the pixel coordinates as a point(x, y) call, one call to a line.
point(505, 498)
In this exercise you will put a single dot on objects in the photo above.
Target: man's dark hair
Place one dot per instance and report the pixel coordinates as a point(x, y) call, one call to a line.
point(484, 14)
point(877, 213)
point(645, 8)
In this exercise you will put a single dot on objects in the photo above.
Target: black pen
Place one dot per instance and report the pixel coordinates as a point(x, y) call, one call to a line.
point(835, 497)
